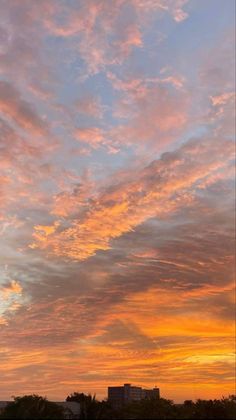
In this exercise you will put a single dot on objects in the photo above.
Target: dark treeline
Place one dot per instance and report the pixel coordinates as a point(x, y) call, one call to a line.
point(32, 407)
point(36, 407)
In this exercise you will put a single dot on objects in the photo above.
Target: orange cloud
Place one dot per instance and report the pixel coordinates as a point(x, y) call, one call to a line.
point(125, 206)
point(13, 288)
point(67, 203)
point(153, 343)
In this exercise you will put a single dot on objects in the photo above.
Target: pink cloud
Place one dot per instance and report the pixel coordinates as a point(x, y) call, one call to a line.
point(92, 135)
point(222, 99)
point(20, 111)
point(89, 105)
point(97, 20)
point(221, 113)
point(156, 115)
point(22, 58)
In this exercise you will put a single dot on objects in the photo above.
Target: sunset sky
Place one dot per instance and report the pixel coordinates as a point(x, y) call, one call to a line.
point(116, 196)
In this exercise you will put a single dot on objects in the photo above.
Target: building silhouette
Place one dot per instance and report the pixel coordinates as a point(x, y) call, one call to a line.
point(121, 395)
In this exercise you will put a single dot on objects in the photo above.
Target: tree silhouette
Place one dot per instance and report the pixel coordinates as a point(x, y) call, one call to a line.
point(90, 408)
point(32, 407)
point(36, 407)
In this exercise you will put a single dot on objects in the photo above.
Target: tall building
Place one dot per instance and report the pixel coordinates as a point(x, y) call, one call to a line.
point(120, 395)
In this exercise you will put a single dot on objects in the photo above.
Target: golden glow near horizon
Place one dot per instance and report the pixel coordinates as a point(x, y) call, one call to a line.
point(116, 197)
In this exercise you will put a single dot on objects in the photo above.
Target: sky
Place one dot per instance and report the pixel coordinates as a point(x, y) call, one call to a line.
point(116, 197)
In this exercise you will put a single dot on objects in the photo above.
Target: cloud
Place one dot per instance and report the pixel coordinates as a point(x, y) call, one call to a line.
point(157, 190)
point(20, 111)
point(221, 114)
point(93, 24)
point(109, 32)
point(187, 286)
point(22, 170)
point(173, 7)
point(115, 259)
point(13, 288)
point(97, 137)
point(22, 57)
point(89, 105)
point(67, 203)
point(153, 112)
point(216, 72)
point(92, 135)
point(13, 144)
point(222, 99)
